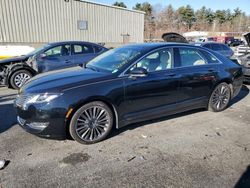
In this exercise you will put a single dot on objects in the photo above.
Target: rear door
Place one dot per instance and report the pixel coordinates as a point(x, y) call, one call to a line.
point(82, 53)
point(197, 75)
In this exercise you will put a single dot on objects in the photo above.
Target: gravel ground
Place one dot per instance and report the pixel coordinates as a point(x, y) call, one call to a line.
point(194, 149)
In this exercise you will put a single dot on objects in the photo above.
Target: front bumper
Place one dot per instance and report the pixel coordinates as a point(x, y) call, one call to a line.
point(43, 120)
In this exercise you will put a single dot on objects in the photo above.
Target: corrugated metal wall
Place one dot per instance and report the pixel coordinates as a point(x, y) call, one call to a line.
point(42, 21)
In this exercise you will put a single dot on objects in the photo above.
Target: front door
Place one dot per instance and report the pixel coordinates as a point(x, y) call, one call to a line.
point(57, 57)
point(154, 91)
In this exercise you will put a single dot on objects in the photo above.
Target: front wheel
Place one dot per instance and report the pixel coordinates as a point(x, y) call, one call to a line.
point(91, 123)
point(19, 78)
point(220, 98)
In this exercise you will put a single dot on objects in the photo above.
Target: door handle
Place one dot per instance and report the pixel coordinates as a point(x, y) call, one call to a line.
point(170, 74)
point(67, 61)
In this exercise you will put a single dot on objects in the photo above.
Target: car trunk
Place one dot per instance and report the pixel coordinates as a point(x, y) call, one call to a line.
point(174, 37)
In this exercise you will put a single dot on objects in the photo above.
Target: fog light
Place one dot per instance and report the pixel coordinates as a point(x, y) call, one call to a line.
point(38, 125)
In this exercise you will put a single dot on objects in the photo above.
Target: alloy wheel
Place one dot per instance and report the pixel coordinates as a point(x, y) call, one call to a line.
point(21, 78)
point(221, 97)
point(92, 123)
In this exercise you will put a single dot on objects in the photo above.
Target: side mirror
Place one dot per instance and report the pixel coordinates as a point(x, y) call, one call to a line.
point(138, 72)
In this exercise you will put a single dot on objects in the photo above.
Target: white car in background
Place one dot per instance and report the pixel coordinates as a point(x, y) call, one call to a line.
point(8, 51)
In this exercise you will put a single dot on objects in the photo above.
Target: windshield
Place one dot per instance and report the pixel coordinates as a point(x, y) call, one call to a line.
point(37, 50)
point(114, 60)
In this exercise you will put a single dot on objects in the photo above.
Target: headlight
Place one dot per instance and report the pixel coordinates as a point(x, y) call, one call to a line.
point(23, 101)
point(42, 98)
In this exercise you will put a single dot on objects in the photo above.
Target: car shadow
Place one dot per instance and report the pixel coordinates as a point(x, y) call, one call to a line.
point(7, 117)
point(244, 181)
point(243, 93)
point(116, 132)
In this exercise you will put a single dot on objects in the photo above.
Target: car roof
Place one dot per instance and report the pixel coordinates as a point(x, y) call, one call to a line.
point(73, 42)
point(155, 45)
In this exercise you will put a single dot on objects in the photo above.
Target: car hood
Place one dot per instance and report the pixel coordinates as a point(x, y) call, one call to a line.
point(247, 37)
point(57, 81)
point(14, 59)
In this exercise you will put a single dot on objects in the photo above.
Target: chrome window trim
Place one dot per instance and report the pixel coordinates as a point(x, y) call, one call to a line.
point(123, 74)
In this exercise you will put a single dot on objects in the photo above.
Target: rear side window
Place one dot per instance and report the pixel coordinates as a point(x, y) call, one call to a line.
point(216, 47)
point(210, 57)
point(82, 49)
point(191, 57)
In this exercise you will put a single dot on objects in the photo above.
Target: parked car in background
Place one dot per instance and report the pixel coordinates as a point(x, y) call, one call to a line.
point(8, 51)
point(243, 57)
point(223, 39)
point(218, 47)
point(234, 42)
point(126, 85)
point(174, 37)
point(205, 39)
point(16, 71)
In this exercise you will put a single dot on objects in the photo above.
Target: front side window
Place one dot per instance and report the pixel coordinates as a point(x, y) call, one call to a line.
point(191, 57)
point(62, 50)
point(82, 49)
point(157, 61)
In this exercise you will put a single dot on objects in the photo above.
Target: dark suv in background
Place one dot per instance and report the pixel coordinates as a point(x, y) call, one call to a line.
point(14, 72)
point(218, 47)
point(234, 42)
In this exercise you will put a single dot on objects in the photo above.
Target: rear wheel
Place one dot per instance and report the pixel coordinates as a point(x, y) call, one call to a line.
point(91, 123)
point(220, 98)
point(19, 78)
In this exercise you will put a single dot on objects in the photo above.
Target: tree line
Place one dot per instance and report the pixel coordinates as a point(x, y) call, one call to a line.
point(159, 19)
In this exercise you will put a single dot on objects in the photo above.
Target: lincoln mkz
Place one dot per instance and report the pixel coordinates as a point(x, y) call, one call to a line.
point(126, 85)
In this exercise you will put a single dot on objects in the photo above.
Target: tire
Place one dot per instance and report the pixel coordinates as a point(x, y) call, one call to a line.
point(91, 123)
point(220, 98)
point(19, 78)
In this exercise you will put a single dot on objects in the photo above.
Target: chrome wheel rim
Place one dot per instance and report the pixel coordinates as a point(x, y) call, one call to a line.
point(221, 97)
point(21, 79)
point(92, 123)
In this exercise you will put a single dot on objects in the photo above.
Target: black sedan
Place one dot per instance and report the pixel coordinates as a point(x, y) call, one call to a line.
point(126, 85)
